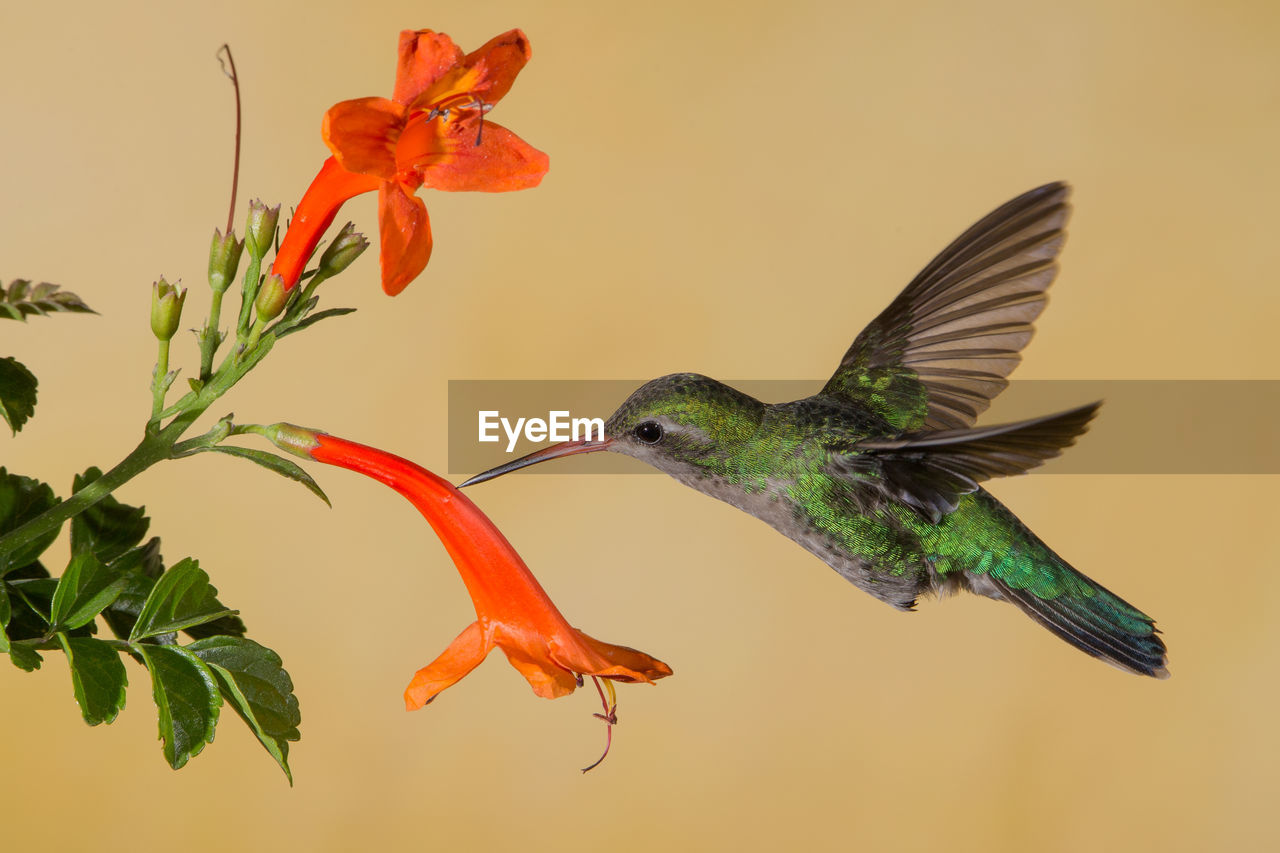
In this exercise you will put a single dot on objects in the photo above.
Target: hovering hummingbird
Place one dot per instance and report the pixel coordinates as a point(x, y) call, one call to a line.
point(878, 473)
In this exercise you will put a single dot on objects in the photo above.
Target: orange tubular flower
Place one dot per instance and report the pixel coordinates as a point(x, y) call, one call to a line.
point(513, 612)
point(432, 132)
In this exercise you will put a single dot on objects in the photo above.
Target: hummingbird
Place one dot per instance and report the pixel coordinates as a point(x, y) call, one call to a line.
point(879, 473)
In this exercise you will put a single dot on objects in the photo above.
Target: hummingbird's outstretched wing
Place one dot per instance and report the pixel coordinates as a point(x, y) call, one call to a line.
point(930, 470)
point(938, 355)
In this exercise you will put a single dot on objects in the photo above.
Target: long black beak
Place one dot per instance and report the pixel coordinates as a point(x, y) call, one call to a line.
point(555, 451)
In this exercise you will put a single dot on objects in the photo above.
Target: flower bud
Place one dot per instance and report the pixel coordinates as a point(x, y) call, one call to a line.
point(260, 228)
point(271, 298)
point(166, 309)
point(224, 258)
point(344, 249)
point(297, 440)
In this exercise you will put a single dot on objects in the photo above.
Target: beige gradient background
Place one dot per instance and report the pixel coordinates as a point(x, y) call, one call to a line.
point(735, 189)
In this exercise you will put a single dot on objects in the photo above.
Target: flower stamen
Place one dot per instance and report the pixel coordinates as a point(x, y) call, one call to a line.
point(444, 110)
point(610, 717)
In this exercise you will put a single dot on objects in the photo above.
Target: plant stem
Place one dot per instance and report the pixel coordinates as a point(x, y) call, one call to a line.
point(310, 289)
point(159, 383)
point(210, 338)
point(51, 644)
point(254, 334)
point(152, 449)
point(248, 293)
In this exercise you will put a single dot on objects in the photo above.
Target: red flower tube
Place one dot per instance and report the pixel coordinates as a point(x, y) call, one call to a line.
point(432, 132)
point(513, 612)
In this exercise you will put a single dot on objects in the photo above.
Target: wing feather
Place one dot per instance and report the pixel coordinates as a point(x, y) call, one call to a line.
point(943, 349)
point(930, 470)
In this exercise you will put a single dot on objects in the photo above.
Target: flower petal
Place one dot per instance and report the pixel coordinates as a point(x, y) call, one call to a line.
point(405, 237)
point(363, 134)
point(463, 655)
point(501, 162)
point(590, 656)
point(526, 650)
point(424, 58)
point(499, 61)
point(486, 74)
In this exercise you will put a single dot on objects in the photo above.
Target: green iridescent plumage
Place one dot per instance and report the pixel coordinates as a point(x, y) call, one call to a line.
point(878, 474)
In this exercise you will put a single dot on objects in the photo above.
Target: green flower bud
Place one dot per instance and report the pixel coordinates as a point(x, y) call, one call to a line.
point(260, 228)
point(344, 249)
point(224, 258)
point(166, 309)
point(271, 298)
point(297, 440)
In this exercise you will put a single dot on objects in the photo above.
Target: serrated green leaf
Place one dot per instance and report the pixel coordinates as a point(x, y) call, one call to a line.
point(98, 677)
point(187, 698)
point(226, 626)
point(253, 681)
point(145, 559)
point(278, 464)
point(142, 566)
point(22, 499)
point(85, 588)
point(32, 603)
point(25, 658)
point(29, 602)
point(313, 319)
point(22, 300)
point(108, 528)
point(17, 393)
point(182, 597)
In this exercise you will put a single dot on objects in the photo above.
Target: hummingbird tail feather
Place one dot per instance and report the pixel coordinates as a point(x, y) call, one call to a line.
point(1096, 621)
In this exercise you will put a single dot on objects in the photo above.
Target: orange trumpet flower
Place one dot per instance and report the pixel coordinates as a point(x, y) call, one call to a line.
point(432, 132)
point(513, 612)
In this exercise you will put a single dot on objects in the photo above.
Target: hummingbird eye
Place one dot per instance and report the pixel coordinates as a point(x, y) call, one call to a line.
point(650, 432)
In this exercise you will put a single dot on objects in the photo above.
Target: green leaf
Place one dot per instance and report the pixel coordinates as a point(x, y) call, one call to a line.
point(26, 620)
point(22, 499)
point(271, 462)
point(182, 597)
point(85, 588)
point(17, 393)
point(31, 571)
point(142, 566)
point(98, 677)
point(25, 657)
point(108, 528)
point(251, 678)
point(144, 560)
point(313, 319)
point(29, 601)
point(226, 626)
point(187, 697)
point(24, 299)
point(6, 613)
